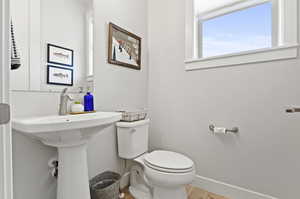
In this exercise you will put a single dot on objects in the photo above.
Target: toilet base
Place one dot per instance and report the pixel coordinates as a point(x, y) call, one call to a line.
point(140, 192)
point(163, 193)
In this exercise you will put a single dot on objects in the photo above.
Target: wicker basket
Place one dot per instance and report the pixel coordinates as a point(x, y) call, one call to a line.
point(105, 186)
point(132, 116)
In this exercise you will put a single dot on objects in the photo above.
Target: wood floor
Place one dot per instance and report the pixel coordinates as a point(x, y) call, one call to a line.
point(193, 193)
point(127, 195)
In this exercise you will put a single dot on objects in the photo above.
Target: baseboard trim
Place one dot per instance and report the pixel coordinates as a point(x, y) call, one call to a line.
point(227, 190)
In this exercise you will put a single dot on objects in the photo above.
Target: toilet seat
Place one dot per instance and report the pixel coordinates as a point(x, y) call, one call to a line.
point(169, 162)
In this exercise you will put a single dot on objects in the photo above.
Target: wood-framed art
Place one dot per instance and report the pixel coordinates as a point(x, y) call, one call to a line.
point(59, 76)
point(124, 48)
point(60, 55)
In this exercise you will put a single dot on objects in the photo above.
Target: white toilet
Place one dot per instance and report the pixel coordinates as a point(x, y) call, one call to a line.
point(159, 174)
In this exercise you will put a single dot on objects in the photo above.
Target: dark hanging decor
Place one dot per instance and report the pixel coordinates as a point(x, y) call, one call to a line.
point(15, 59)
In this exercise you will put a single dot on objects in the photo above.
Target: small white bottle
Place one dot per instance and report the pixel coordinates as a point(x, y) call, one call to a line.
point(77, 107)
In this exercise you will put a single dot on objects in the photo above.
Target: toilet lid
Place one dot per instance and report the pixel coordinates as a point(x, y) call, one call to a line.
point(169, 160)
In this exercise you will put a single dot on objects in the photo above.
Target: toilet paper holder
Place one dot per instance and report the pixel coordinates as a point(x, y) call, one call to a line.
point(215, 129)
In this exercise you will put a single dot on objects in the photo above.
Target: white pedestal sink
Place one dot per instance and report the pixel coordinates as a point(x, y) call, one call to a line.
point(70, 135)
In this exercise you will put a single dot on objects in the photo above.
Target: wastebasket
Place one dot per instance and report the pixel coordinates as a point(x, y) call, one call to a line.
point(105, 186)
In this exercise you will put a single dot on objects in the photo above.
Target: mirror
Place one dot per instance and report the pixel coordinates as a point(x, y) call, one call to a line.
point(54, 41)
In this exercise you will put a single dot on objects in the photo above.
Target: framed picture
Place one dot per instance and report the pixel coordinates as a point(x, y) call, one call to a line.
point(60, 55)
point(59, 76)
point(124, 48)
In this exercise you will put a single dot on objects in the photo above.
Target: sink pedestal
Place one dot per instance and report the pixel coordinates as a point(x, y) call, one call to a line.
point(73, 181)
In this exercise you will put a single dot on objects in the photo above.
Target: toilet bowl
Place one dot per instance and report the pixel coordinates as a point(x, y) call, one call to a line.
point(161, 175)
point(158, 174)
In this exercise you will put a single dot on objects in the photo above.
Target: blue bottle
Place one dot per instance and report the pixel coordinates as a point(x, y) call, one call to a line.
point(88, 102)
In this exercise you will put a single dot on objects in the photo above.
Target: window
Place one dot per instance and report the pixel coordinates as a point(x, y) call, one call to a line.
point(239, 31)
point(90, 46)
point(234, 32)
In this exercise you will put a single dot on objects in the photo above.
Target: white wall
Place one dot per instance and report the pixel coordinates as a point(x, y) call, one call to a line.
point(115, 87)
point(19, 79)
point(119, 86)
point(264, 157)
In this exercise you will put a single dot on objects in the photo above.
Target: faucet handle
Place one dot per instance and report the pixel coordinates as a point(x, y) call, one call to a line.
point(81, 89)
point(64, 91)
point(70, 98)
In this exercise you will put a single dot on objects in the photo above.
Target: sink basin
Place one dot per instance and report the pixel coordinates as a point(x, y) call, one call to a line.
point(70, 134)
point(66, 130)
point(62, 123)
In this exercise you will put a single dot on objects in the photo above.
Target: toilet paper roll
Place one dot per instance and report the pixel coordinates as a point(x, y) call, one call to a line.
point(220, 130)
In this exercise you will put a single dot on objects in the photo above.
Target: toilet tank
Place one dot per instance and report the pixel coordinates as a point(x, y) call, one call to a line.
point(132, 138)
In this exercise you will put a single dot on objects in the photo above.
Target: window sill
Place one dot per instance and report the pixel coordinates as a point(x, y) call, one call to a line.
point(248, 57)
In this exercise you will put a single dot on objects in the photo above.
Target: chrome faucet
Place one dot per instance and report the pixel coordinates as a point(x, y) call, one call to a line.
point(64, 98)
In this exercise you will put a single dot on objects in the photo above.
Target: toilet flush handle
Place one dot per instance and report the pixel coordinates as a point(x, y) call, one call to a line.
point(133, 130)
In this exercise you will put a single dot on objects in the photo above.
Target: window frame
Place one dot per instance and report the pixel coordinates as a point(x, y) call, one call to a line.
point(90, 46)
point(284, 35)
